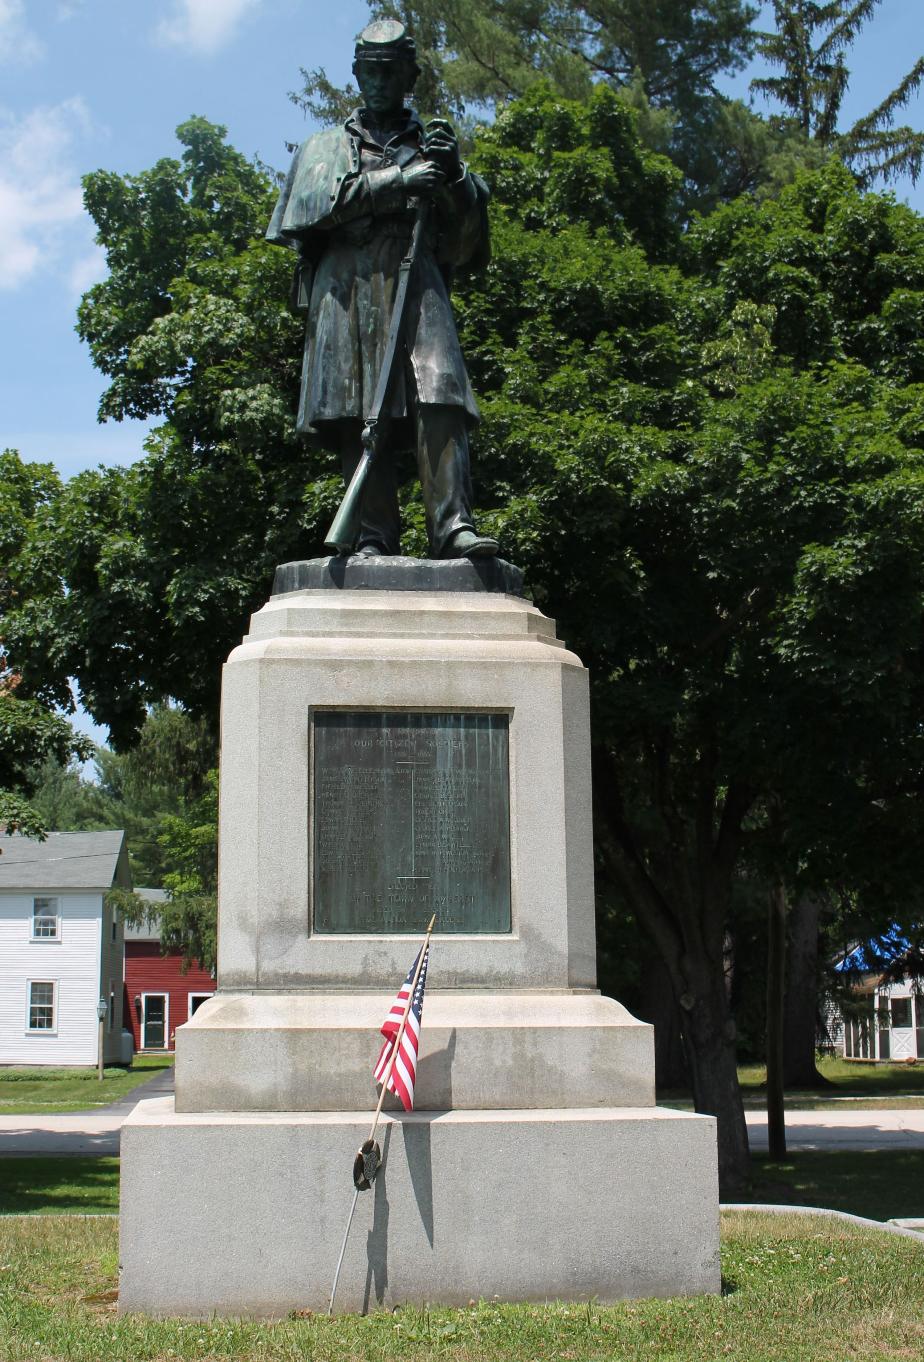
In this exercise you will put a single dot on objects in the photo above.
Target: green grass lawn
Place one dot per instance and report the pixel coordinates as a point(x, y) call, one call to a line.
point(45, 1090)
point(883, 1184)
point(856, 1085)
point(797, 1289)
point(846, 1078)
point(47, 1185)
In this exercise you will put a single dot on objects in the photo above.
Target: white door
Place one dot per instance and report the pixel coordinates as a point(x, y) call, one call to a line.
point(903, 1042)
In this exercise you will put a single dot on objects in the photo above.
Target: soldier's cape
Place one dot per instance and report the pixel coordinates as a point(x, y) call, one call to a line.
point(307, 204)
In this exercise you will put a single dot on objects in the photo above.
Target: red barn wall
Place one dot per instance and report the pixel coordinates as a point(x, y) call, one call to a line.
point(147, 971)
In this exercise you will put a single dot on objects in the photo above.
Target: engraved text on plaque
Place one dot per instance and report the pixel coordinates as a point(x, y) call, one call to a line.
point(411, 816)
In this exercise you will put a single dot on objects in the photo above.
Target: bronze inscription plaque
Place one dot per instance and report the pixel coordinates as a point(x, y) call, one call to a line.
point(411, 816)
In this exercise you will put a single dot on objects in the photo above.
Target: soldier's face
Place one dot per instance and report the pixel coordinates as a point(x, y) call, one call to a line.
point(383, 85)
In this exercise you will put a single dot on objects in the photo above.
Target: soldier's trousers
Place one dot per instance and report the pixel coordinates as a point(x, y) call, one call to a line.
point(445, 480)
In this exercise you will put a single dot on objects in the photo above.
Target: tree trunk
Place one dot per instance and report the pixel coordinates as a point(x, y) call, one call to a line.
point(683, 902)
point(801, 1016)
point(659, 1008)
point(709, 1033)
point(776, 999)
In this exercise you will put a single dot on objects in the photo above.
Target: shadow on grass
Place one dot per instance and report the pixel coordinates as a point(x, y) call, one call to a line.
point(880, 1183)
point(58, 1186)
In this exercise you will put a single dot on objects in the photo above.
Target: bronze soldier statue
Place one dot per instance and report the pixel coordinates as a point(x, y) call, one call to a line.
point(349, 208)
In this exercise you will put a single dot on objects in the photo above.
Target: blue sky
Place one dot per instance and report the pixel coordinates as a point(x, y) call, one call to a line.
point(90, 83)
point(104, 83)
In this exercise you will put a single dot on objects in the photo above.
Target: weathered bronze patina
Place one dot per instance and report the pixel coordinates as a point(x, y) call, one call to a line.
point(411, 817)
point(348, 208)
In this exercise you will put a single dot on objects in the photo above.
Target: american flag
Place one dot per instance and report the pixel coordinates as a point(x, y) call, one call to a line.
point(404, 1072)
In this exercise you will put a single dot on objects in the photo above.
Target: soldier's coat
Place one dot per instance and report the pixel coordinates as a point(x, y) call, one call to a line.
point(345, 208)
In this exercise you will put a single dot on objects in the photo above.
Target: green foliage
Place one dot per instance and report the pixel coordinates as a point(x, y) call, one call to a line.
point(664, 57)
point(135, 790)
point(164, 793)
point(706, 451)
point(191, 325)
point(18, 815)
point(190, 843)
point(30, 733)
point(30, 730)
point(704, 446)
point(483, 53)
point(810, 45)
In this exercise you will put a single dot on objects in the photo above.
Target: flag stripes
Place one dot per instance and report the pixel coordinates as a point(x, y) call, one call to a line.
point(404, 1071)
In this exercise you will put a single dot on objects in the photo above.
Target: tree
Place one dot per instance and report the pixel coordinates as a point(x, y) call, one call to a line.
point(731, 446)
point(811, 44)
point(487, 52)
point(704, 446)
point(189, 918)
point(165, 773)
point(164, 793)
point(29, 734)
point(192, 325)
point(800, 1024)
point(30, 729)
point(666, 55)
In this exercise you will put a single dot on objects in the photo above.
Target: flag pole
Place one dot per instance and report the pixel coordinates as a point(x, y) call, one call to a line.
point(346, 1235)
point(378, 1111)
point(402, 1028)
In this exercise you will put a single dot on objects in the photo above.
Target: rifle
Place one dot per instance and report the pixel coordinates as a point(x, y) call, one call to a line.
point(341, 537)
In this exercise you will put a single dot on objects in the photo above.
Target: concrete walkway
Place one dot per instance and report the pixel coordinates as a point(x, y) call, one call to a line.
point(840, 1129)
point(97, 1131)
point(78, 1132)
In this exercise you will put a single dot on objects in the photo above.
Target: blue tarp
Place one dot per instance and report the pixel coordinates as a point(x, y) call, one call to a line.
point(875, 954)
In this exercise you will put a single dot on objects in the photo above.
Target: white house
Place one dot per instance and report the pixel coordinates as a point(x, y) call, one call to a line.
point(885, 1022)
point(62, 948)
point(884, 1019)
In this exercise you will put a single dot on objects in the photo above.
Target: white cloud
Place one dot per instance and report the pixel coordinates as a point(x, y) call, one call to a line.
point(18, 44)
point(87, 269)
point(40, 195)
point(203, 26)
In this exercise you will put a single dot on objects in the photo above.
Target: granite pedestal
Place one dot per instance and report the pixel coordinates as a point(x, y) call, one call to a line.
point(536, 1164)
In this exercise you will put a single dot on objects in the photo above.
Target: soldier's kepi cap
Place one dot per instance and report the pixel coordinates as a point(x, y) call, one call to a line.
point(386, 40)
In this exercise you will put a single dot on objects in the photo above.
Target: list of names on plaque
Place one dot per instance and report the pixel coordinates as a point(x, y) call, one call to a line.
point(411, 816)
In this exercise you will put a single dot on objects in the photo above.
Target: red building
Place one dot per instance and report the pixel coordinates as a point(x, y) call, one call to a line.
point(158, 996)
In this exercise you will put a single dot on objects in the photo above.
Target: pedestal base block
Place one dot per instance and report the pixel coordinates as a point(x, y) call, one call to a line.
point(316, 1051)
point(604, 1203)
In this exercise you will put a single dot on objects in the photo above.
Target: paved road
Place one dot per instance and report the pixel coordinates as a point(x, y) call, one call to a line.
point(840, 1129)
point(78, 1132)
point(97, 1132)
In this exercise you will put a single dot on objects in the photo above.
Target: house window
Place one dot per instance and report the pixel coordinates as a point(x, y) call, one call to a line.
point(45, 919)
point(115, 925)
point(901, 1013)
point(41, 1005)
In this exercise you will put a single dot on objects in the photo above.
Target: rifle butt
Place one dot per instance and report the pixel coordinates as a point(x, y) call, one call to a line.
point(344, 530)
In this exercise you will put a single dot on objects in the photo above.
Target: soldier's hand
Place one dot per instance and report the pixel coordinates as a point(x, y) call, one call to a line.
point(423, 178)
point(441, 144)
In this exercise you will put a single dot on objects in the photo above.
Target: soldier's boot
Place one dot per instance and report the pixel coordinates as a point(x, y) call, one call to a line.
point(445, 480)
